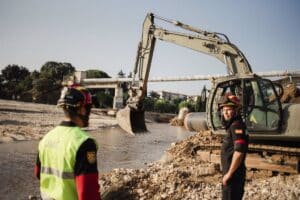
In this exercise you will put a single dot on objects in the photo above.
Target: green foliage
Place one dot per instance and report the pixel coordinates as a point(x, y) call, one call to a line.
point(15, 73)
point(105, 99)
point(94, 73)
point(56, 70)
point(149, 104)
point(14, 81)
point(154, 95)
point(164, 106)
point(45, 91)
point(200, 105)
point(189, 104)
point(47, 83)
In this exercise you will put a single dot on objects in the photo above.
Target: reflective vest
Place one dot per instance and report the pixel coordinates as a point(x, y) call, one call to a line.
point(57, 153)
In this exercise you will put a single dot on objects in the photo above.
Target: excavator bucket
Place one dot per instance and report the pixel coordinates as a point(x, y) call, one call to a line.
point(132, 121)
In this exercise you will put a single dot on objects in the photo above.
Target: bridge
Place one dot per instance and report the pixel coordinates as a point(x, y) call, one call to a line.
point(115, 83)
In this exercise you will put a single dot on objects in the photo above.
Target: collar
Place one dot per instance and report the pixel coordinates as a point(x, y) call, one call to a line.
point(67, 123)
point(228, 123)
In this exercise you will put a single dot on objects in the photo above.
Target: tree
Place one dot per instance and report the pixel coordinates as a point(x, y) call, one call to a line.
point(94, 73)
point(149, 104)
point(15, 73)
point(56, 70)
point(164, 106)
point(102, 98)
point(105, 100)
point(2, 91)
point(200, 105)
point(14, 81)
point(154, 95)
point(46, 89)
point(189, 104)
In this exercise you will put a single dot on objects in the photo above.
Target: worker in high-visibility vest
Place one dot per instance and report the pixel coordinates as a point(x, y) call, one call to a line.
point(67, 157)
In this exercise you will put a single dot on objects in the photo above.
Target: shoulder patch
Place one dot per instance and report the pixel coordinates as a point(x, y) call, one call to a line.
point(91, 156)
point(238, 131)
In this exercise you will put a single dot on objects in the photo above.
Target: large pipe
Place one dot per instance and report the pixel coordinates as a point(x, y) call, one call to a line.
point(195, 121)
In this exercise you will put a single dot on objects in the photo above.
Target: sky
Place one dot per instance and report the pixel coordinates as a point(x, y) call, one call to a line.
point(104, 34)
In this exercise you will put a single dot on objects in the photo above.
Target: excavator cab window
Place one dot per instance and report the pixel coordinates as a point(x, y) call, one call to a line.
point(261, 109)
point(264, 109)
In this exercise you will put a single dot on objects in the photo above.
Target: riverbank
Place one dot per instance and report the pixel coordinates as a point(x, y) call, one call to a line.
point(23, 124)
point(134, 168)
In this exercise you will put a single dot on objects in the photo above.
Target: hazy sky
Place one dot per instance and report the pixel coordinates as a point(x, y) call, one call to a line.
point(99, 34)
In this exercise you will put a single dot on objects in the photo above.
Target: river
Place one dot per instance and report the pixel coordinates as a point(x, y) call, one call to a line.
point(117, 149)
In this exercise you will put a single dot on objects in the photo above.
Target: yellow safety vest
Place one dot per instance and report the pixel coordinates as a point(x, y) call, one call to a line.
point(57, 153)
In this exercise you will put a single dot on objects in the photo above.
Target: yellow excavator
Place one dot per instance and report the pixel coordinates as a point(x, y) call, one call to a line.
point(262, 111)
point(131, 118)
point(273, 127)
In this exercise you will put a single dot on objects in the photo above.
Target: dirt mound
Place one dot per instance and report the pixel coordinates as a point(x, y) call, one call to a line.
point(179, 174)
point(179, 120)
point(291, 94)
point(176, 122)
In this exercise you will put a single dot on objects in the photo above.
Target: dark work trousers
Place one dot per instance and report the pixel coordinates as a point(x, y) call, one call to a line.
point(234, 189)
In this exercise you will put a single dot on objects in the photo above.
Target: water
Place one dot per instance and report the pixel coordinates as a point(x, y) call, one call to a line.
point(119, 149)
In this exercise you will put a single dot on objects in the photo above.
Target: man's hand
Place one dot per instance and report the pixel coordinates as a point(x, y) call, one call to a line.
point(226, 178)
point(235, 163)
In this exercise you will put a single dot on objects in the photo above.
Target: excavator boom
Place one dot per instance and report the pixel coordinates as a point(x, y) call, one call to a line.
point(131, 118)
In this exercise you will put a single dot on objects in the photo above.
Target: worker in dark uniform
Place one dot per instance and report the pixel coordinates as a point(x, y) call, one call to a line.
point(67, 157)
point(234, 149)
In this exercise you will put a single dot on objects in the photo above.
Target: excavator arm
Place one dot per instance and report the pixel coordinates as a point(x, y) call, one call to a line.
point(210, 43)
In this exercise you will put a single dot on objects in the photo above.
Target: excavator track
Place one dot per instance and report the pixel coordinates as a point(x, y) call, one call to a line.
point(272, 158)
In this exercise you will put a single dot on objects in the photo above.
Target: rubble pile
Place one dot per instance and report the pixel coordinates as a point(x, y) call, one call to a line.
point(291, 94)
point(278, 187)
point(179, 174)
point(176, 122)
point(179, 120)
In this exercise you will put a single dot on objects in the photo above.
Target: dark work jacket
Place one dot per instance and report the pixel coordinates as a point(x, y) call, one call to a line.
point(236, 139)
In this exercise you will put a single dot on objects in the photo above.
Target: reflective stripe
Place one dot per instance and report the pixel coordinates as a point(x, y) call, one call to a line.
point(240, 141)
point(46, 197)
point(55, 172)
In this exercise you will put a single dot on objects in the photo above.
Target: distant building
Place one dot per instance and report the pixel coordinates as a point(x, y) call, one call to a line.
point(166, 95)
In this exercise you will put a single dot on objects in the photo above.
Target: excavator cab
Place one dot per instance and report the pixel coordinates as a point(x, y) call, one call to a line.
point(260, 98)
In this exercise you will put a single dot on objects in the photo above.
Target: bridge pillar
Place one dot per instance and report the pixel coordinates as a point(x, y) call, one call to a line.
point(79, 76)
point(118, 98)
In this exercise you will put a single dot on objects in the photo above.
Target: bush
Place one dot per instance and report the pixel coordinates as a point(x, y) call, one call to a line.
point(190, 105)
point(164, 106)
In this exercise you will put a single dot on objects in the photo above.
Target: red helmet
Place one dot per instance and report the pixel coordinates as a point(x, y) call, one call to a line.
point(229, 100)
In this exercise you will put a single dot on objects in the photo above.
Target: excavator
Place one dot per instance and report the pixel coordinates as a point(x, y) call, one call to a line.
point(266, 118)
